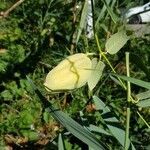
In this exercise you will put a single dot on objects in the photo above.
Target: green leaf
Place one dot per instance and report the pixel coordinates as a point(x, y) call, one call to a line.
point(115, 80)
point(7, 95)
point(143, 95)
point(111, 13)
point(144, 99)
point(134, 81)
point(31, 135)
point(102, 13)
point(46, 117)
point(116, 42)
point(144, 103)
point(26, 119)
point(76, 129)
point(82, 20)
point(97, 69)
point(72, 126)
point(118, 133)
point(107, 116)
point(2, 144)
point(94, 128)
point(112, 122)
point(60, 143)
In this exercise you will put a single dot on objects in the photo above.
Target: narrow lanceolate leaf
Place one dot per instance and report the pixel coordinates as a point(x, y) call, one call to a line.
point(143, 99)
point(82, 19)
point(102, 13)
point(60, 143)
point(134, 81)
point(116, 42)
point(143, 95)
point(111, 122)
point(72, 126)
point(110, 12)
point(96, 73)
point(144, 103)
point(76, 129)
point(98, 130)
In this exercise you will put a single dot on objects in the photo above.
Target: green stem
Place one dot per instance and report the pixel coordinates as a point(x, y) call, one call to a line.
point(108, 62)
point(126, 143)
point(130, 98)
point(143, 120)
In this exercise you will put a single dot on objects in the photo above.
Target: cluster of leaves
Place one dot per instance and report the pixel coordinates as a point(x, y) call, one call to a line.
point(33, 39)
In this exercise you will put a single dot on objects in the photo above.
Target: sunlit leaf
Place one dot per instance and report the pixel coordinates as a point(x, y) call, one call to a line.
point(116, 42)
point(96, 73)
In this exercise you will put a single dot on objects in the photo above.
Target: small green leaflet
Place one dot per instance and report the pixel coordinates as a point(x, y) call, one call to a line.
point(97, 69)
point(144, 99)
point(116, 42)
point(144, 103)
point(143, 95)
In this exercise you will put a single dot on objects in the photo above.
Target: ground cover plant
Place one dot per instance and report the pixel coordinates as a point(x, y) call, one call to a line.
point(101, 96)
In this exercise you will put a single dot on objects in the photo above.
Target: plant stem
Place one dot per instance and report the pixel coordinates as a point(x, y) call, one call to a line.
point(143, 120)
point(108, 62)
point(126, 143)
point(6, 13)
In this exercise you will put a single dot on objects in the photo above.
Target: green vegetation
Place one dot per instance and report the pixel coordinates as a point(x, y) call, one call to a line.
point(110, 113)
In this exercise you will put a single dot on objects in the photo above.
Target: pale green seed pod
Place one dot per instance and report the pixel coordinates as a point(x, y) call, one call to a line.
point(71, 73)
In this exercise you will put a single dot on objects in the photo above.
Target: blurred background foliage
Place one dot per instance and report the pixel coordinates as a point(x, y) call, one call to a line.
point(34, 37)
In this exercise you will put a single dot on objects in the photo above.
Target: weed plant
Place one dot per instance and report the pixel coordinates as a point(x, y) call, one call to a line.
point(34, 38)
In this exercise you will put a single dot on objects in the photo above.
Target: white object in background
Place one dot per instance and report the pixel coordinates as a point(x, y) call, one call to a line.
point(139, 14)
point(145, 17)
point(89, 21)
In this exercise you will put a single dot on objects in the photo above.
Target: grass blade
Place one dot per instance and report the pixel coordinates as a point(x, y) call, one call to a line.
point(113, 16)
point(112, 122)
point(82, 20)
point(102, 13)
point(60, 143)
point(72, 126)
point(134, 81)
